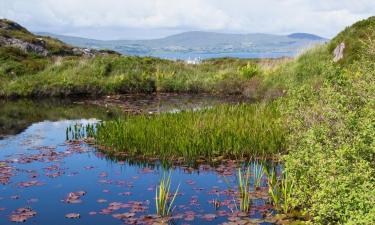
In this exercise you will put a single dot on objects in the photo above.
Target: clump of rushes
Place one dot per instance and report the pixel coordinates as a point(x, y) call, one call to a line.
point(279, 188)
point(286, 190)
point(164, 198)
point(232, 131)
point(273, 185)
point(244, 190)
point(258, 174)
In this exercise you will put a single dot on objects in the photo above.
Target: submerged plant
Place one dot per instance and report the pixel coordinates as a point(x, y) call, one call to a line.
point(164, 198)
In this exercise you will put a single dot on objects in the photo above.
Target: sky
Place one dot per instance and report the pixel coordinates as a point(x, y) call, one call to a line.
point(146, 19)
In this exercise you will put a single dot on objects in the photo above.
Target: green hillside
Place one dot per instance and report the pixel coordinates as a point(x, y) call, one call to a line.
point(330, 111)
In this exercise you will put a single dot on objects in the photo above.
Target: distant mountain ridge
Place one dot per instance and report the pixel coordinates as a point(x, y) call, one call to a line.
point(202, 42)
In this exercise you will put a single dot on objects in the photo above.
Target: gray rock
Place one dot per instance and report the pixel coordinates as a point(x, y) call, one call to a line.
point(25, 46)
point(338, 53)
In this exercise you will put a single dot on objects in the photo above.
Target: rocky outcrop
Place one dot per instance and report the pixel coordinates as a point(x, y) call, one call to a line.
point(338, 53)
point(25, 46)
point(10, 25)
point(14, 35)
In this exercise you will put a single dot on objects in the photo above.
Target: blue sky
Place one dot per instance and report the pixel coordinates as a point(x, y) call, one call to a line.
point(143, 19)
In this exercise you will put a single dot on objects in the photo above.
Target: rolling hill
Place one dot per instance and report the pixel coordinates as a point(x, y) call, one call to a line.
point(199, 42)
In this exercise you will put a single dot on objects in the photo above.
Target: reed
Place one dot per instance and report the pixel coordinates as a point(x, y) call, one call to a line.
point(258, 174)
point(286, 191)
point(244, 190)
point(232, 131)
point(164, 199)
point(273, 182)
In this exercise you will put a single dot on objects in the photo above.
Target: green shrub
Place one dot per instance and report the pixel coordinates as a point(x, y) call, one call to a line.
point(250, 70)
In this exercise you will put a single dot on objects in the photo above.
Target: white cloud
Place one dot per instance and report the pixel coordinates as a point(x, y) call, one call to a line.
point(116, 18)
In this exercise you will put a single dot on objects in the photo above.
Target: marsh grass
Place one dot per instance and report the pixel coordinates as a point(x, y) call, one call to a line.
point(164, 198)
point(258, 174)
point(232, 131)
point(286, 192)
point(273, 182)
point(244, 190)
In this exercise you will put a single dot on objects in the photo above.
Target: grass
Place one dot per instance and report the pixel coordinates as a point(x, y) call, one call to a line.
point(258, 174)
point(244, 190)
point(233, 131)
point(286, 192)
point(164, 199)
point(273, 185)
point(27, 75)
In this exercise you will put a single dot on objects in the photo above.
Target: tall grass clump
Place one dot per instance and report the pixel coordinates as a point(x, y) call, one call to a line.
point(244, 190)
point(258, 174)
point(234, 131)
point(164, 199)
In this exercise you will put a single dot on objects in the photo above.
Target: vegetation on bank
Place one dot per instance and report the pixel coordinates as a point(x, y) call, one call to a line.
point(30, 75)
point(331, 122)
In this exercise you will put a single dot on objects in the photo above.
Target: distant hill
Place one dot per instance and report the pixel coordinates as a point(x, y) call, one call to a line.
point(202, 42)
point(305, 36)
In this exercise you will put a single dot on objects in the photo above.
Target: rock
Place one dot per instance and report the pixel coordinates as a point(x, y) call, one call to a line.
point(25, 46)
point(10, 25)
point(339, 52)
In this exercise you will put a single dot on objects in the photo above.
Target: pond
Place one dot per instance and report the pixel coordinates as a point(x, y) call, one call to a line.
point(46, 180)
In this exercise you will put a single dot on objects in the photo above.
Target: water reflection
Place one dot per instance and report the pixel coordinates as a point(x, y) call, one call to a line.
point(46, 180)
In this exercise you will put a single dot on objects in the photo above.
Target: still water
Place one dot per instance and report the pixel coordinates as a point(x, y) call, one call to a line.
point(44, 179)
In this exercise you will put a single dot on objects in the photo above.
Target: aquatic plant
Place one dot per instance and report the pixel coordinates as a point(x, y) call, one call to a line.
point(273, 182)
point(244, 190)
point(286, 190)
point(258, 174)
point(164, 199)
point(232, 131)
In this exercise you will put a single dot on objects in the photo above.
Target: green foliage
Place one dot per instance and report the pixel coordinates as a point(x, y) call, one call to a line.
point(164, 199)
point(14, 62)
point(359, 40)
point(235, 131)
point(249, 71)
point(331, 139)
point(286, 193)
point(258, 174)
point(244, 190)
point(64, 76)
point(273, 185)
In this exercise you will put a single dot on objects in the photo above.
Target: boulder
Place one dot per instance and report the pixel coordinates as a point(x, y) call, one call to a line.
point(338, 53)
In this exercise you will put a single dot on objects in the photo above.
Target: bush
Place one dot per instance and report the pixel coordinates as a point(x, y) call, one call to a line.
point(332, 145)
point(250, 70)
